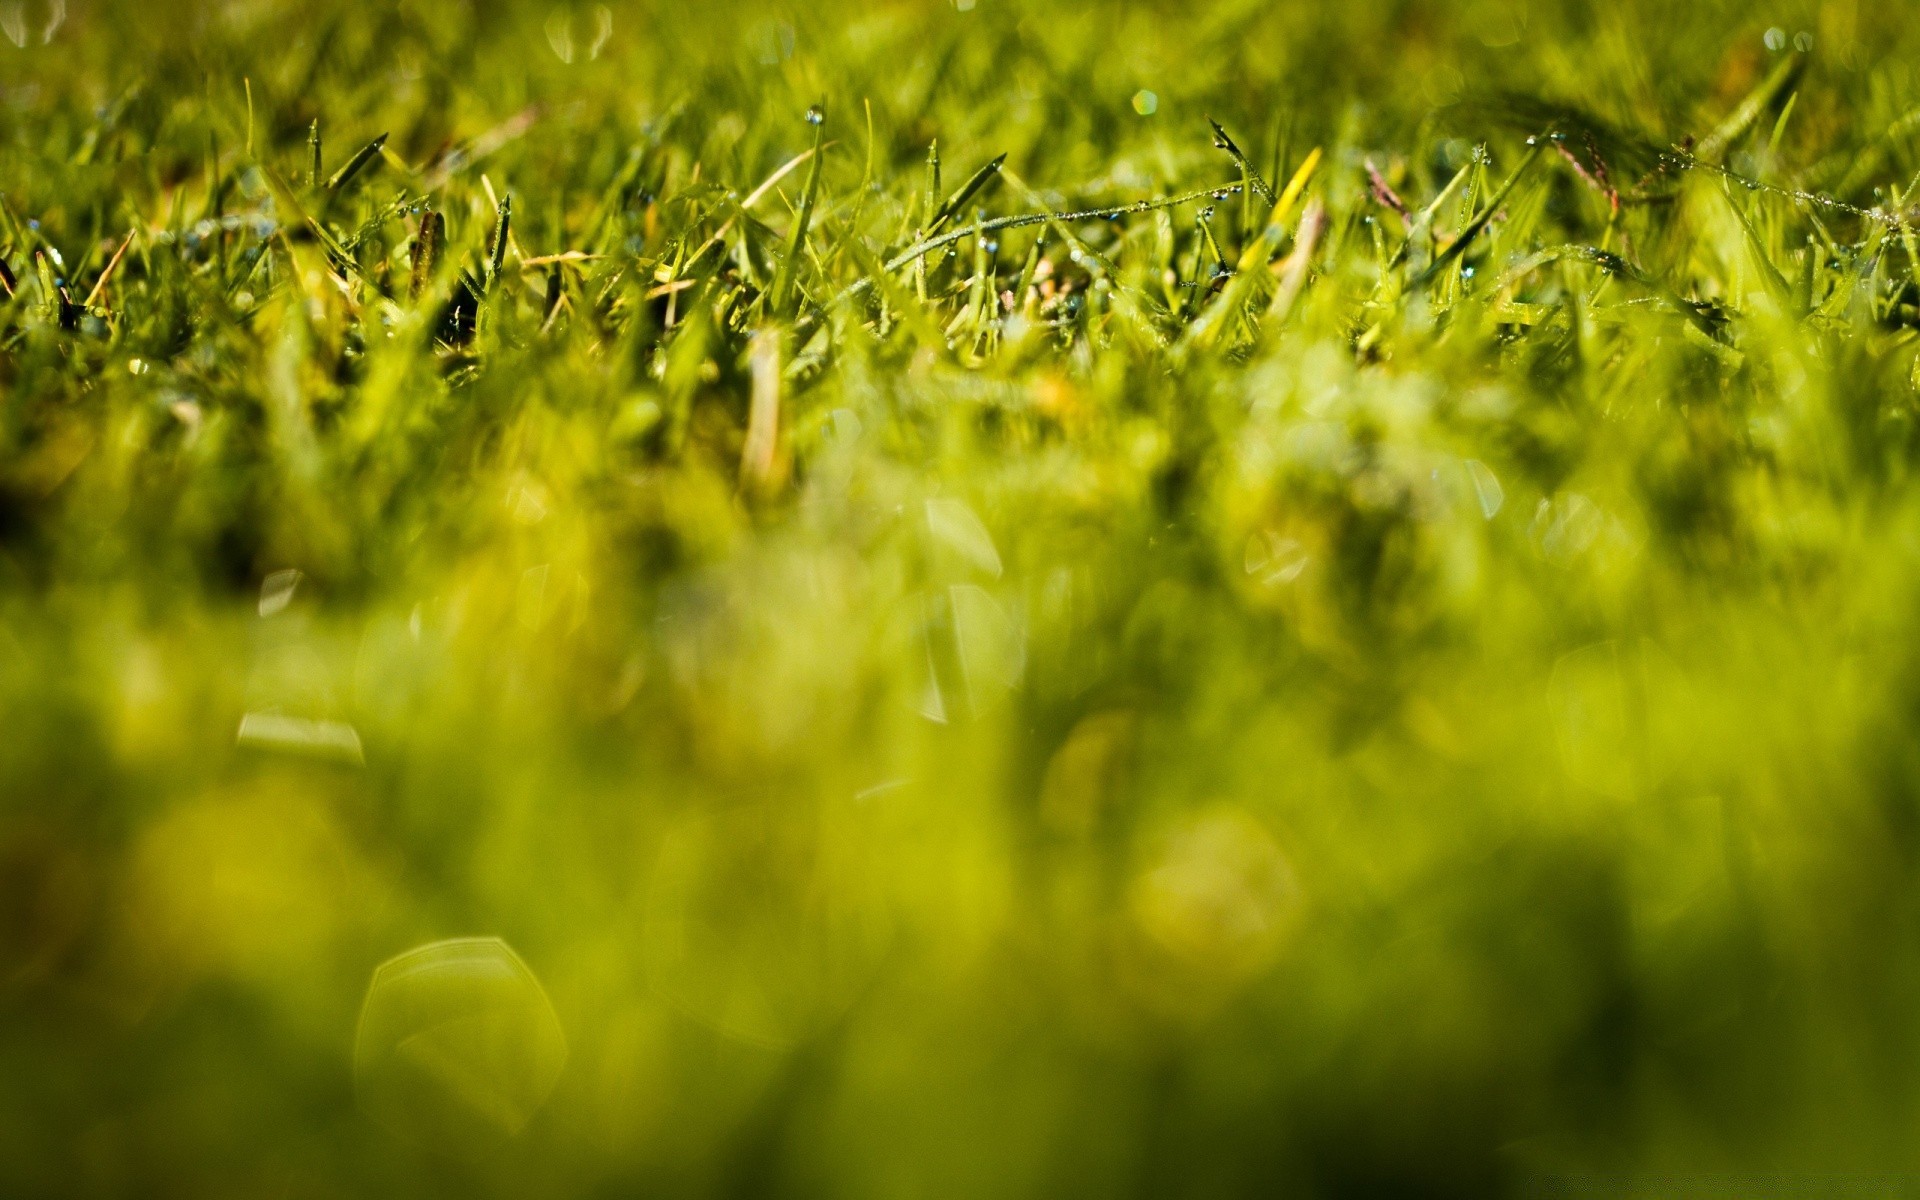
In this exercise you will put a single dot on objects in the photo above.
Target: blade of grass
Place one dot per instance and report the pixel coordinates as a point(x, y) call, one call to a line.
point(294, 214)
point(100, 284)
point(1475, 227)
point(426, 251)
point(967, 192)
point(1714, 147)
point(921, 249)
point(1229, 307)
point(1252, 183)
point(503, 226)
point(1423, 221)
point(1770, 275)
point(365, 155)
point(777, 299)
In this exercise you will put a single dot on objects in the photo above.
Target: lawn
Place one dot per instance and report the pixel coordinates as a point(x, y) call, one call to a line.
point(980, 599)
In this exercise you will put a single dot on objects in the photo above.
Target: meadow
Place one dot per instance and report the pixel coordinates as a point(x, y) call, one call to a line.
point(975, 599)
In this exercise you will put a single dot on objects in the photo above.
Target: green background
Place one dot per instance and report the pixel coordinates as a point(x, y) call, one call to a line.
point(1448, 735)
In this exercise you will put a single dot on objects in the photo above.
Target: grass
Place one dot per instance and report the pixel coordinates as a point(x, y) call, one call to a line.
point(1334, 617)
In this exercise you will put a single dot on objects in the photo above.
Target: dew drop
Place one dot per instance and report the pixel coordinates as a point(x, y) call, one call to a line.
point(816, 115)
point(457, 1041)
point(1486, 488)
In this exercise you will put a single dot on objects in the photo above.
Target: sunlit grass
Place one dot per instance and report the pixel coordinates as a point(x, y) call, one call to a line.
point(961, 600)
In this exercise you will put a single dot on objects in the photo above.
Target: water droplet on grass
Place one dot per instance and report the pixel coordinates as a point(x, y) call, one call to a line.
point(301, 737)
point(1486, 488)
point(990, 644)
point(961, 538)
point(457, 1038)
point(1274, 560)
point(276, 592)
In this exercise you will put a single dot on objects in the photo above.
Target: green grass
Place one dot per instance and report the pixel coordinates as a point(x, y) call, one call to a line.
point(977, 633)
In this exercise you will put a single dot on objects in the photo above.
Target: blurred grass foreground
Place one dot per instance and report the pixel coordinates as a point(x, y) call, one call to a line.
point(854, 601)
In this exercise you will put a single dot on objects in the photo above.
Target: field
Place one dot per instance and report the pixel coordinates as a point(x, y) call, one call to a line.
point(971, 599)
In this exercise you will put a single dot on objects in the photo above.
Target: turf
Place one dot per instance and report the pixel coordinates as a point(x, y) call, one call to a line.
point(995, 600)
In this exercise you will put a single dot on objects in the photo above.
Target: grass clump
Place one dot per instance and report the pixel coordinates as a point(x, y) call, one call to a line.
point(1334, 618)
